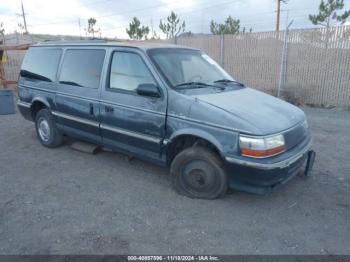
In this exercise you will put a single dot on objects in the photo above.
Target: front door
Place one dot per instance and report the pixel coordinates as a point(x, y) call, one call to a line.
point(77, 98)
point(131, 122)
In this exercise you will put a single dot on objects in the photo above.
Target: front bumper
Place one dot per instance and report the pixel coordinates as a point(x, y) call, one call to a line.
point(262, 176)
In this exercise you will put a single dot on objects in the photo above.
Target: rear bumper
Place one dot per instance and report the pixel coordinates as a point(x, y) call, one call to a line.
point(25, 110)
point(263, 176)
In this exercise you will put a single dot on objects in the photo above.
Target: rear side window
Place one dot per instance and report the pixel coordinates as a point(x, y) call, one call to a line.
point(82, 67)
point(41, 64)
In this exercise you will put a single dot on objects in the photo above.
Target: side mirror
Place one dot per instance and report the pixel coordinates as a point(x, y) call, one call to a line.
point(148, 90)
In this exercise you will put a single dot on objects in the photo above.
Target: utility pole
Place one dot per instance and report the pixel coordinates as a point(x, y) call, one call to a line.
point(278, 15)
point(152, 29)
point(24, 19)
point(79, 28)
point(284, 61)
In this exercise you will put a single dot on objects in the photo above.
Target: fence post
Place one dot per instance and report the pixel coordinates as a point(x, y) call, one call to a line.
point(222, 50)
point(283, 70)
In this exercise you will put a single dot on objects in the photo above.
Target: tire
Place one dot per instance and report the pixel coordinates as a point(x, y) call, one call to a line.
point(197, 172)
point(46, 129)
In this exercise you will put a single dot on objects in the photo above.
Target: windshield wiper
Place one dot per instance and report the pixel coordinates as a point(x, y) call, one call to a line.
point(196, 84)
point(228, 81)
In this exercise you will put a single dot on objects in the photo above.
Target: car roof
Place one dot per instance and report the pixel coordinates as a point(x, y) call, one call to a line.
point(132, 43)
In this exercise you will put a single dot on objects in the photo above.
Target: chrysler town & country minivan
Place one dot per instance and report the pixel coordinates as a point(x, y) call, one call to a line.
point(168, 104)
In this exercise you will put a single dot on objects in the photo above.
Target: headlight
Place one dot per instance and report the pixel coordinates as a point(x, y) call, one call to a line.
point(261, 147)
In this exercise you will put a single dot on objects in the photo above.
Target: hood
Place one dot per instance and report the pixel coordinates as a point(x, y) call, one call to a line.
point(267, 113)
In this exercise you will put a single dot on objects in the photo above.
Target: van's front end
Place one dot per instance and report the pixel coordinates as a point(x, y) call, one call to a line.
point(262, 141)
point(270, 139)
point(273, 141)
point(263, 163)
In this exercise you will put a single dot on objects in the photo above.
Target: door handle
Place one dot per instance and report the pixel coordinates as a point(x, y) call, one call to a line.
point(91, 109)
point(109, 109)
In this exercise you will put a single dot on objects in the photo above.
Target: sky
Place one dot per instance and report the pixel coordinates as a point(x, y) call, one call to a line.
point(113, 16)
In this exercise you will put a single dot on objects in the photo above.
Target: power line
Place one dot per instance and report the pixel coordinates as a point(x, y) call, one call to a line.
point(136, 10)
point(160, 5)
point(112, 14)
point(181, 13)
point(194, 21)
point(259, 22)
point(271, 13)
point(140, 9)
point(96, 2)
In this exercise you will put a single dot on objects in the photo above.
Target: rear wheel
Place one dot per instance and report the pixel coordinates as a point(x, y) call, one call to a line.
point(46, 129)
point(198, 173)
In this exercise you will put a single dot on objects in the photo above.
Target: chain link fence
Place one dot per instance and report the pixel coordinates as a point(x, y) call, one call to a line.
point(317, 62)
point(12, 51)
point(316, 69)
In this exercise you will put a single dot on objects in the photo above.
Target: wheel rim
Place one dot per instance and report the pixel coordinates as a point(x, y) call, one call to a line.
point(44, 129)
point(199, 177)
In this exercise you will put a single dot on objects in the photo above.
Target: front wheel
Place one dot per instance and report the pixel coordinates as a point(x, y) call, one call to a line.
point(198, 173)
point(46, 129)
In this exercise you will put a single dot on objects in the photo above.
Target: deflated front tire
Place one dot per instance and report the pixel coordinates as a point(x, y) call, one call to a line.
point(198, 172)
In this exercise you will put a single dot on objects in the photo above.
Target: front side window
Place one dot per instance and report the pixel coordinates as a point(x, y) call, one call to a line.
point(82, 67)
point(180, 66)
point(128, 71)
point(41, 64)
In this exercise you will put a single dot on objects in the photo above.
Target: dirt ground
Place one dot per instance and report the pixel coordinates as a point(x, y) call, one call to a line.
point(61, 201)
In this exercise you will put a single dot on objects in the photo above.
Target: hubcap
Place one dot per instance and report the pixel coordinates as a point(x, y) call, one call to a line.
point(198, 177)
point(44, 129)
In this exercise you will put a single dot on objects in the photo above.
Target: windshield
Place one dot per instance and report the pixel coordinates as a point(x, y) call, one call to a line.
point(185, 66)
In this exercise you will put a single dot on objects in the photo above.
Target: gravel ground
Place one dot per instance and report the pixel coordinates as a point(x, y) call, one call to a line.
point(60, 201)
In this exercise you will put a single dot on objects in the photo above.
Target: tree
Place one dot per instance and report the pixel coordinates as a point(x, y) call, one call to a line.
point(154, 35)
point(244, 30)
point(328, 15)
point(173, 26)
point(91, 24)
point(136, 31)
point(21, 28)
point(2, 29)
point(230, 26)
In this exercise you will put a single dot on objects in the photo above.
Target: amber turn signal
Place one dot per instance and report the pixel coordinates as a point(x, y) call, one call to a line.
point(262, 153)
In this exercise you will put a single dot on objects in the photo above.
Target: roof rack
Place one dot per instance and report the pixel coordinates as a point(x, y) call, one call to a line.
point(73, 41)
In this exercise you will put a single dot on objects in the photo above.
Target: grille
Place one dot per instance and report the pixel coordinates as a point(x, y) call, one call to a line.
point(295, 135)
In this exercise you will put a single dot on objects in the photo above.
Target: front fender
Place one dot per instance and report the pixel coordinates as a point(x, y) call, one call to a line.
point(225, 141)
point(197, 133)
point(41, 100)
